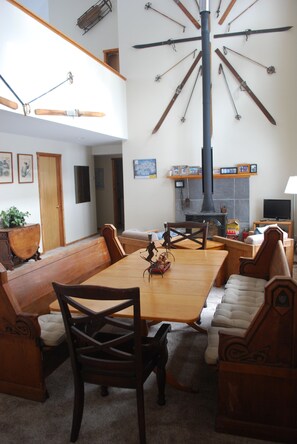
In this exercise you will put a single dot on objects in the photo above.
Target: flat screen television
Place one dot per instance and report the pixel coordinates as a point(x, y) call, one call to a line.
point(277, 209)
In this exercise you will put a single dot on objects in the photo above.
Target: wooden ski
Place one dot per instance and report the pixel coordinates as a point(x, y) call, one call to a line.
point(8, 103)
point(70, 113)
point(177, 93)
point(245, 87)
point(226, 13)
point(247, 33)
point(188, 14)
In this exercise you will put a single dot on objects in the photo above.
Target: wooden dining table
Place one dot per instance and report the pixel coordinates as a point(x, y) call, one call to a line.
point(176, 296)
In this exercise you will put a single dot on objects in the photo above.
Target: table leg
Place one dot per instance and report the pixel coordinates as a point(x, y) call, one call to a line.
point(171, 380)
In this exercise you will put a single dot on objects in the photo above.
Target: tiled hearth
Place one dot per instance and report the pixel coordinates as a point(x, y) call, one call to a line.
point(232, 193)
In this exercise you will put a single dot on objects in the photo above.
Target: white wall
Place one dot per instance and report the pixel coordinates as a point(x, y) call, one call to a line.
point(253, 139)
point(79, 219)
point(35, 59)
point(63, 15)
point(32, 60)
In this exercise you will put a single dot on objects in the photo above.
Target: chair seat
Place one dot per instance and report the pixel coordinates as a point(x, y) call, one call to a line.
point(52, 329)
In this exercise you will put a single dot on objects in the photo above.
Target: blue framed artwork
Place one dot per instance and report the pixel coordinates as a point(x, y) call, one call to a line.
point(145, 168)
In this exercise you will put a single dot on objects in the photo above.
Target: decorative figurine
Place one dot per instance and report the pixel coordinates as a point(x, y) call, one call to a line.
point(158, 264)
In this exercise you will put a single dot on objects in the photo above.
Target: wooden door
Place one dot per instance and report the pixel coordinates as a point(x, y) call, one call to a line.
point(50, 196)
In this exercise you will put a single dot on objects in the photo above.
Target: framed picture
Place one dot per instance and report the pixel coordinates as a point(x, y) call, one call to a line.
point(243, 168)
point(145, 168)
point(25, 168)
point(230, 170)
point(6, 171)
point(253, 168)
point(194, 170)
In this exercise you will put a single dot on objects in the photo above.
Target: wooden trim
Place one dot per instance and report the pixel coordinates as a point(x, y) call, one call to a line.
point(63, 36)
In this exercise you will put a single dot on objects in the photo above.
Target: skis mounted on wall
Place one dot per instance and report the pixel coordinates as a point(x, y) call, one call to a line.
point(245, 87)
point(177, 93)
point(247, 33)
point(188, 14)
point(227, 11)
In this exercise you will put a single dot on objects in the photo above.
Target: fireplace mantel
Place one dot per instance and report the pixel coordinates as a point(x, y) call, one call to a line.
point(215, 176)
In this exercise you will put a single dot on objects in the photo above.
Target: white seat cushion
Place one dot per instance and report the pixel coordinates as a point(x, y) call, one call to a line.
point(245, 283)
point(243, 297)
point(233, 315)
point(211, 352)
point(140, 235)
point(52, 329)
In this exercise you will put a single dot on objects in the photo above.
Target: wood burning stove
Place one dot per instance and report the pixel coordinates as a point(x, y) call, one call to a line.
point(217, 222)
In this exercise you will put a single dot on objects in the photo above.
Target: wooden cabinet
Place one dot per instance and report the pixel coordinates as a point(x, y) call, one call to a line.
point(286, 225)
point(19, 244)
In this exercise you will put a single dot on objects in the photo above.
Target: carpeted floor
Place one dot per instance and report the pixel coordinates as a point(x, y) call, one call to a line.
point(186, 417)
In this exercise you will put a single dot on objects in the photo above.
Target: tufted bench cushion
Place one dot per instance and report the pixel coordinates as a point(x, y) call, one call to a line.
point(233, 315)
point(240, 282)
point(211, 352)
point(243, 297)
point(52, 329)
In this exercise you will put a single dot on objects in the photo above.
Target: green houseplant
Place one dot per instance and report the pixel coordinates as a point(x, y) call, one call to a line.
point(13, 217)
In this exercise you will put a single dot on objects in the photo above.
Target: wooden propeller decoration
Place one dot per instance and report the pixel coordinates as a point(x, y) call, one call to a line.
point(69, 113)
point(8, 103)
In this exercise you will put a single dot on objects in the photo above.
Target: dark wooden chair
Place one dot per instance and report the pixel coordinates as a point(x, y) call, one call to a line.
point(108, 351)
point(194, 233)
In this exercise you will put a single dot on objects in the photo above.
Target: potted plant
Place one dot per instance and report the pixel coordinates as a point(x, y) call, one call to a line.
point(13, 218)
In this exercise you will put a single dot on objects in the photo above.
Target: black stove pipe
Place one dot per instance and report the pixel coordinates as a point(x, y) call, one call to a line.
point(207, 164)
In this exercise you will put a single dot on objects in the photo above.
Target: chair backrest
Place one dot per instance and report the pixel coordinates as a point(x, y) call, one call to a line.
point(186, 234)
point(92, 345)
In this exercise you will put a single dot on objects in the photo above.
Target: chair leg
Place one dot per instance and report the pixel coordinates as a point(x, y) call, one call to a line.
point(78, 409)
point(140, 413)
point(161, 376)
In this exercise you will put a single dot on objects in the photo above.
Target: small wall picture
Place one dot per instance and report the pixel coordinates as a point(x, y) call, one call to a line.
point(253, 168)
point(243, 168)
point(230, 170)
point(145, 168)
point(25, 168)
point(6, 171)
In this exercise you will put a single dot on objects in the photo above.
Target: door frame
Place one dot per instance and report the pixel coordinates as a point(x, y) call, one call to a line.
point(58, 158)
